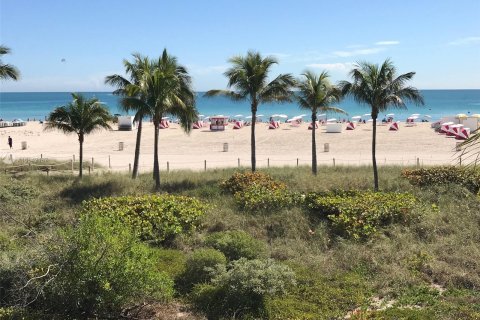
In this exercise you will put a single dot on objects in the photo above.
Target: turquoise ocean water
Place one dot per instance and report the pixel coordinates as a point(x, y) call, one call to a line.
point(438, 103)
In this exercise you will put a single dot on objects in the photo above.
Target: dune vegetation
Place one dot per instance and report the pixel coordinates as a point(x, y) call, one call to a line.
point(274, 244)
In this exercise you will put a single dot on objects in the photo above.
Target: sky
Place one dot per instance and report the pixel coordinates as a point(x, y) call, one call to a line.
point(71, 45)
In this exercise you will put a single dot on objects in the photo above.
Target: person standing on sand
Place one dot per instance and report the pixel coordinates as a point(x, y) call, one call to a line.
point(10, 142)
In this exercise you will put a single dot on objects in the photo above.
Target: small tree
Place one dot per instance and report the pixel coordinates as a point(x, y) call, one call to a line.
point(7, 71)
point(249, 77)
point(81, 116)
point(380, 87)
point(317, 94)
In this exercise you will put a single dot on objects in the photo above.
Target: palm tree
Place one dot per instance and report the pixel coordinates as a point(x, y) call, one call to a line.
point(317, 94)
point(81, 116)
point(7, 71)
point(380, 87)
point(135, 70)
point(165, 88)
point(248, 76)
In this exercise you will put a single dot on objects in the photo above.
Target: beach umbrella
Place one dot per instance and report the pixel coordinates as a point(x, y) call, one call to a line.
point(260, 115)
point(165, 118)
point(367, 115)
point(332, 119)
point(427, 116)
point(461, 115)
point(284, 116)
point(415, 114)
point(476, 115)
point(248, 117)
point(304, 115)
point(201, 115)
point(357, 117)
point(390, 115)
point(238, 116)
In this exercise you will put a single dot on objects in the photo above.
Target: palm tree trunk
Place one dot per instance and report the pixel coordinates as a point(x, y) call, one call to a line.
point(137, 150)
point(156, 169)
point(314, 144)
point(80, 170)
point(252, 138)
point(374, 159)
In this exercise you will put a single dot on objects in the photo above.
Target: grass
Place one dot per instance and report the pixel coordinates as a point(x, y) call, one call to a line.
point(404, 264)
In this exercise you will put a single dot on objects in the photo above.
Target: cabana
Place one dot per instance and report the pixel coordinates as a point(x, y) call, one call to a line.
point(394, 126)
point(351, 125)
point(238, 123)
point(164, 123)
point(218, 123)
point(454, 129)
point(411, 120)
point(126, 123)
point(464, 134)
point(445, 127)
point(19, 123)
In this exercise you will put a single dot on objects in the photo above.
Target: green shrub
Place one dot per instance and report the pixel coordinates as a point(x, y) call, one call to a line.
point(199, 268)
point(360, 214)
point(236, 245)
point(173, 262)
point(97, 270)
point(154, 217)
point(261, 198)
point(239, 182)
point(444, 175)
point(318, 296)
point(241, 290)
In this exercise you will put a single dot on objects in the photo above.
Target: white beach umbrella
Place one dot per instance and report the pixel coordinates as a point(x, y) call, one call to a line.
point(260, 115)
point(201, 115)
point(357, 117)
point(331, 119)
point(248, 117)
point(304, 115)
point(165, 118)
point(370, 120)
point(284, 116)
point(427, 116)
point(390, 115)
point(238, 116)
point(367, 115)
point(415, 115)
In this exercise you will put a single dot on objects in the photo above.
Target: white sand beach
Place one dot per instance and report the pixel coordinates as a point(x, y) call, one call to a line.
point(282, 146)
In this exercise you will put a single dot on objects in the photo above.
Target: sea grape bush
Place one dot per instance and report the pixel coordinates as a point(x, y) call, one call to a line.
point(239, 182)
point(154, 217)
point(358, 214)
point(236, 244)
point(443, 175)
point(261, 198)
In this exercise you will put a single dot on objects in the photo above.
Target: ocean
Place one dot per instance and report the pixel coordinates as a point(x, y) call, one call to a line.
point(438, 103)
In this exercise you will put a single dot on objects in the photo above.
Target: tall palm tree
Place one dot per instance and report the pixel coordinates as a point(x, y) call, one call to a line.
point(380, 87)
point(81, 116)
point(165, 88)
point(316, 93)
point(248, 76)
point(135, 70)
point(7, 71)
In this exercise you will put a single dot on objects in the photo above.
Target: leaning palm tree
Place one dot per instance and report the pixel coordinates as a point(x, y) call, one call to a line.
point(165, 88)
point(135, 70)
point(380, 87)
point(249, 78)
point(7, 71)
point(316, 93)
point(81, 116)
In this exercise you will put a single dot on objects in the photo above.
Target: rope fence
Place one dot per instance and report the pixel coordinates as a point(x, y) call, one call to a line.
point(11, 165)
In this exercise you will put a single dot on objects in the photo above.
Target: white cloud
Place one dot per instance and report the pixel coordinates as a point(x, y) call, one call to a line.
point(465, 41)
point(332, 66)
point(387, 43)
point(358, 52)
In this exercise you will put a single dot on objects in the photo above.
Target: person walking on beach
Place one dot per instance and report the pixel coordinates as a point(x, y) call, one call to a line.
point(10, 142)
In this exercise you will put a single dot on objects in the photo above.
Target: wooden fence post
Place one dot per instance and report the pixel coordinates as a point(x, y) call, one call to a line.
point(334, 162)
point(205, 165)
point(297, 162)
point(168, 166)
point(93, 167)
point(268, 162)
point(129, 168)
point(109, 163)
point(239, 162)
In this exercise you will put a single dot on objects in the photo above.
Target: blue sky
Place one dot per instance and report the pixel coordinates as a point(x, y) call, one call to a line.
point(440, 40)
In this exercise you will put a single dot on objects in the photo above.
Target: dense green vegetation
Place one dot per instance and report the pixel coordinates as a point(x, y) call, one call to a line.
point(332, 249)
